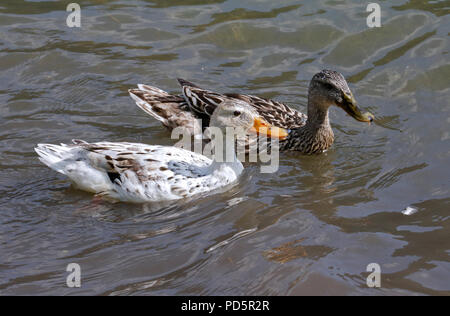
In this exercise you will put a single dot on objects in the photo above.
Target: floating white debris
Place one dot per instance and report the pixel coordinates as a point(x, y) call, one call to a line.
point(409, 210)
point(232, 238)
point(236, 201)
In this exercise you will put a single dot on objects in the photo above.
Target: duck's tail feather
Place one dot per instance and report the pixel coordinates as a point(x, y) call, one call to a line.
point(73, 161)
point(156, 102)
point(54, 155)
point(186, 83)
point(171, 110)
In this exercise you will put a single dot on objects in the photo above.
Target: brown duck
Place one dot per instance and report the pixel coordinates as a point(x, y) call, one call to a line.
point(309, 134)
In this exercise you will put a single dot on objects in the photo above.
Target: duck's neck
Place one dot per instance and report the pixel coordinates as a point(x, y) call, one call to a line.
point(317, 116)
point(316, 135)
point(227, 159)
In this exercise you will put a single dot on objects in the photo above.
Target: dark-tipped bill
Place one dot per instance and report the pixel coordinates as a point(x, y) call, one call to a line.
point(349, 105)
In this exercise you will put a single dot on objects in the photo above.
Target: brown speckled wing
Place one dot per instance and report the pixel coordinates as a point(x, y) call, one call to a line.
point(276, 113)
point(171, 110)
point(203, 103)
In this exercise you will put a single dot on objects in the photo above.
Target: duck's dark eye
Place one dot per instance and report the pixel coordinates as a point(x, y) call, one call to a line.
point(237, 113)
point(328, 86)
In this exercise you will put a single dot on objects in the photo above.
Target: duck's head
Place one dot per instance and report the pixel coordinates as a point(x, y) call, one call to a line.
point(328, 88)
point(238, 114)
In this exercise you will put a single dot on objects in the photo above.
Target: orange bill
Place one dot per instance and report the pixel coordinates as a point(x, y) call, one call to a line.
point(261, 127)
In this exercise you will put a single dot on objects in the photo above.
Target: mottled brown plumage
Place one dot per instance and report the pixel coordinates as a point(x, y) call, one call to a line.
point(309, 134)
point(134, 172)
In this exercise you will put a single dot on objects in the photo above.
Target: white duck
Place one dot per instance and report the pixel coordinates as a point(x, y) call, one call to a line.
point(134, 172)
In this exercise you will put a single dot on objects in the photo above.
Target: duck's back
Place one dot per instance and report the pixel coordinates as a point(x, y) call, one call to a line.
point(130, 171)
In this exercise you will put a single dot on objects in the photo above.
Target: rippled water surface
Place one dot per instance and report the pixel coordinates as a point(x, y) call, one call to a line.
point(311, 228)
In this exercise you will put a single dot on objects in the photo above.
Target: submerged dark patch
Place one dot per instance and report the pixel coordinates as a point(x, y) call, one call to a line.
point(113, 176)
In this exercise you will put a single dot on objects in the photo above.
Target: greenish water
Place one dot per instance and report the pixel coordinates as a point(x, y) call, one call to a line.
point(311, 228)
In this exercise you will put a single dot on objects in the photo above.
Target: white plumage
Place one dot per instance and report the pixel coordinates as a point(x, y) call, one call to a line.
point(140, 173)
point(134, 172)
